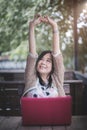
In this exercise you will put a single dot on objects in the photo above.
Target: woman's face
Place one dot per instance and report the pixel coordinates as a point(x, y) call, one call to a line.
point(44, 65)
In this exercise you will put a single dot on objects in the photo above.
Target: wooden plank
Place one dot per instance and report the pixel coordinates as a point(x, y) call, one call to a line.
point(78, 99)
point(2, 119)
point(10, 123)
point(11, 82)
point(12, 71)
point(22, 82)
point(59, 128)
point(73, 81)
point(46, 128)
point(28, 127)
point(78, 123)
point(21, 127)
point(15, 123)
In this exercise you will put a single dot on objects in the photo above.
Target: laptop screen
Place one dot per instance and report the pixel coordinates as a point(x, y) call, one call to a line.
point(46, 111)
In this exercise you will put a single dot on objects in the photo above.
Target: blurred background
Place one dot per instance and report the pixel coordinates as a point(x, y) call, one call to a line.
point(71, 16)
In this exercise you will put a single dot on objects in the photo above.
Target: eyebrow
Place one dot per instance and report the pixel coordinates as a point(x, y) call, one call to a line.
point(49, 59)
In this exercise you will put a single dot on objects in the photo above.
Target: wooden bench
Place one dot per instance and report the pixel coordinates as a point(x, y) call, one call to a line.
point(11, 89)
point(76, 91)
point(10, 93)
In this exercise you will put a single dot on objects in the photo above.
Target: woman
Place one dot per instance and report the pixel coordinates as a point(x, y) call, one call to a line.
point(44, 75)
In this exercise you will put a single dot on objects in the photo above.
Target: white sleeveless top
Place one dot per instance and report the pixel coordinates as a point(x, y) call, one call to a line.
point(42, 91)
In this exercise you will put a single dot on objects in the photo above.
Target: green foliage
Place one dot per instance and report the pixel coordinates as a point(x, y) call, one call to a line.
point(16, 14)
point(14, 19)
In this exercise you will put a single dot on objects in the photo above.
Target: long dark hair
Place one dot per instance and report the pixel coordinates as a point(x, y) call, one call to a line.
point(38, 74)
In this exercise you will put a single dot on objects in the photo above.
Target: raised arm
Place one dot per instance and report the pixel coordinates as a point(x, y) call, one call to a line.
point(55, 45)
point(32, 43)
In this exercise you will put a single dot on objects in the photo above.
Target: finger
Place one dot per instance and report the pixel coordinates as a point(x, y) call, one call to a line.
point(37, 16)
point(45, 18)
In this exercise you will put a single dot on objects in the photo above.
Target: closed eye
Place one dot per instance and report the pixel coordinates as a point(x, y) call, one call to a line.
point(49, 60)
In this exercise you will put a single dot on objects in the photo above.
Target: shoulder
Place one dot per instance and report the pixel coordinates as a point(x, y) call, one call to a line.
point(31, 58)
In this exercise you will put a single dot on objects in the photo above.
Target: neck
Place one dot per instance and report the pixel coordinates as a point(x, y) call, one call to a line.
point(45, 78)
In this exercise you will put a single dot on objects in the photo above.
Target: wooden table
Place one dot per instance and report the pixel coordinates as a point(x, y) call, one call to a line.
point(15, 123)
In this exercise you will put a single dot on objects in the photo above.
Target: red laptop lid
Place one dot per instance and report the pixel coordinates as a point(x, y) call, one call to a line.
point(46, 111)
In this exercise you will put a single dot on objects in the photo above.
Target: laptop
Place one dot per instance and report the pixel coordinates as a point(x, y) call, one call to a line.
point(46, 111)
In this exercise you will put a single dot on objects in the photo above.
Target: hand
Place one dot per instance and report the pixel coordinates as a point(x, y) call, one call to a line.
point(49, 20)
point(37, 20)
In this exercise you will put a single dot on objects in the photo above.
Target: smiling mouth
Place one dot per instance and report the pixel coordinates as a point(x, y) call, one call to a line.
point(42, 67)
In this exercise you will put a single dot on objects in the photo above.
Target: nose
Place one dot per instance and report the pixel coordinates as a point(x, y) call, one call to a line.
point(43, 61)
